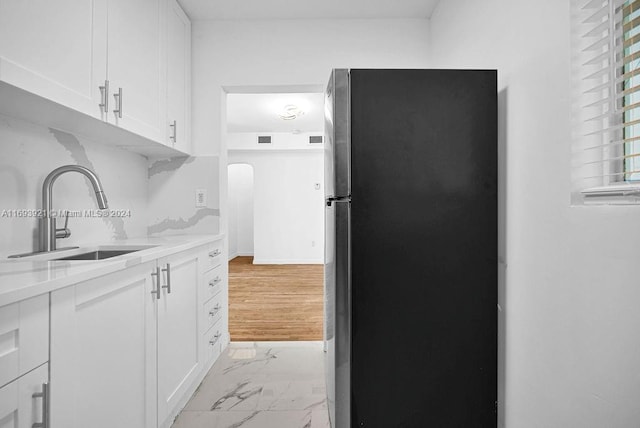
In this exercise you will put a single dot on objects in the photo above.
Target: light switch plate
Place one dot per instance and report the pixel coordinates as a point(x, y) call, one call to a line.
point(201, 198)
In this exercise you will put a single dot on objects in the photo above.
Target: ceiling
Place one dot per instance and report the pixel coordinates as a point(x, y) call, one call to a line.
point(307, 9)
point(259, 112)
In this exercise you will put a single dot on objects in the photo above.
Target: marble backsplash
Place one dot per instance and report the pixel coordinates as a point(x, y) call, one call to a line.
point(172, 196)
point(144, 196)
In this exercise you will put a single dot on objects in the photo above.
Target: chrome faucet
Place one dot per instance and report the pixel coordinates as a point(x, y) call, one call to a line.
point(48, 231)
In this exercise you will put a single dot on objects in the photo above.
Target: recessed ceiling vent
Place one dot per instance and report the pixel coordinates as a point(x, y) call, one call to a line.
point(315, 139)
point(264, 139)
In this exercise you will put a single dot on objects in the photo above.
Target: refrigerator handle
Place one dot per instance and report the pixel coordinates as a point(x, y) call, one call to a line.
point(331, 200)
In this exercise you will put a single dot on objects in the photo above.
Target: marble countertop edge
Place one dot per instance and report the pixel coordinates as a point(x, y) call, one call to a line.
point(27, 277)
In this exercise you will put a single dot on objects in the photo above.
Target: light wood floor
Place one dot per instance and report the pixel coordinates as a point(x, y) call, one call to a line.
point(275, 302)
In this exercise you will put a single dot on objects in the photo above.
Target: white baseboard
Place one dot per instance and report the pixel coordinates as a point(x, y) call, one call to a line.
point(239, 254)
point(287, 261)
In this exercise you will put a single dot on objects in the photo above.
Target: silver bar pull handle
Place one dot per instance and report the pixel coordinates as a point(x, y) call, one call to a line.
point(215, 338)
point(174, 133)
point(45, 406)
point(214, 281)
point(156, 290)
point(215, 252)
point(104, 97)
point(168, 271)
point(118, 97)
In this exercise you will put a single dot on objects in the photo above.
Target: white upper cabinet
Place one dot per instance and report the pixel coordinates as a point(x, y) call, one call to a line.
point(178, 77)
point(55, 49)
point(135, 66)
point(126, 63)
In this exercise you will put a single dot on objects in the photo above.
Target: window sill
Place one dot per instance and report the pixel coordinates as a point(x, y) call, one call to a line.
point(617, 194)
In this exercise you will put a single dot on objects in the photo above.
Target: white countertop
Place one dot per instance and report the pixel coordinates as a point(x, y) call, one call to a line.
point(31, 276)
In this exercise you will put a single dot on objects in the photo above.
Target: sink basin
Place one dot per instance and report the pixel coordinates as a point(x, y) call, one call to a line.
point(98, 255)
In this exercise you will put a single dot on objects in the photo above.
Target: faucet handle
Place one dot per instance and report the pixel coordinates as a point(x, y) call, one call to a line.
point(65, 232)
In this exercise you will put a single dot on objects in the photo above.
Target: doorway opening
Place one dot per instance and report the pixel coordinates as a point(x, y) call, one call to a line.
point(240, 210)
point(275, 205)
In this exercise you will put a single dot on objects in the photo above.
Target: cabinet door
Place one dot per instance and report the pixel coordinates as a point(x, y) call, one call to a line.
point(178, 77)
point(24, 337)
point(103, 352)
point(18, 407)
point(55, 49)
point(135, 65)
point(178, 362)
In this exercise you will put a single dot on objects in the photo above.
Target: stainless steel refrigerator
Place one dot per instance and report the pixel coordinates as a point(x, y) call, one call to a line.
point(411, 248)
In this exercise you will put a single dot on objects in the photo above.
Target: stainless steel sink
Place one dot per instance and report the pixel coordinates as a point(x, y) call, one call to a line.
point(98, 255)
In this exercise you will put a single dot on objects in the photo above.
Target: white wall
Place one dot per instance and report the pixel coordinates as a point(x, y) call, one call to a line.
point(288, 209)
point(232, 54)
point(29, 152)
point(290, 52)
point(570, 304)
point(279, 140)
point(241, 215)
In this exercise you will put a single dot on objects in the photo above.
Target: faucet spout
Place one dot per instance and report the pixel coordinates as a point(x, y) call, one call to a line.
point(48, 223)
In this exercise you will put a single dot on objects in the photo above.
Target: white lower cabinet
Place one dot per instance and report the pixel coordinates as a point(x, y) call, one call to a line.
point(24, 337)
point(103, 352)
point(24, 352)
point(178, 362)
point(214, 297)
point(23, 404)
point(127, 348)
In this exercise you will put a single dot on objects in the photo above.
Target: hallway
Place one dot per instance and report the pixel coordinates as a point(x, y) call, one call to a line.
point(275, 302)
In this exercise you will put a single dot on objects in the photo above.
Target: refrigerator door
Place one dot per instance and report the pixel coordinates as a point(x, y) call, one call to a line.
point(338, 312)
point(329, 308)
point(423, 249)
point(337, 249)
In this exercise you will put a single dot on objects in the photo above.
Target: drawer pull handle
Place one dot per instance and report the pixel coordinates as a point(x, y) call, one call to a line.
point(215, 339)
point(215, 253)
point(45, 406)
point(215, 281)
point(215, 310)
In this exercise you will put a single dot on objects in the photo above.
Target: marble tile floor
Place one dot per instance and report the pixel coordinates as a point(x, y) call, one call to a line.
point(261, 385)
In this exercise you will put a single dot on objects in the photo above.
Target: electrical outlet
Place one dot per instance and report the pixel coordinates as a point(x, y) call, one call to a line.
point(201, 198)
point(313, 243)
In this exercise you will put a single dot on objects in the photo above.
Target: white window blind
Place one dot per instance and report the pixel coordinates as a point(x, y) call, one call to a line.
point(606, 71)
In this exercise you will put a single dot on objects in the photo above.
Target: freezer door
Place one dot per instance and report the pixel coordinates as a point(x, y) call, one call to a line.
point(337, 135)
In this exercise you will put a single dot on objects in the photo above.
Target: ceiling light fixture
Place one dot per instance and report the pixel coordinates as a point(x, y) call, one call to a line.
point(290, 112)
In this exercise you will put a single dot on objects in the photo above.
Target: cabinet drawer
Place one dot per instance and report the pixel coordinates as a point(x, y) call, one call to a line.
point(24, 337)
point(213, 311)
point(213, 281)
point(214, 255)
point(18, 407)
point(213, 342)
